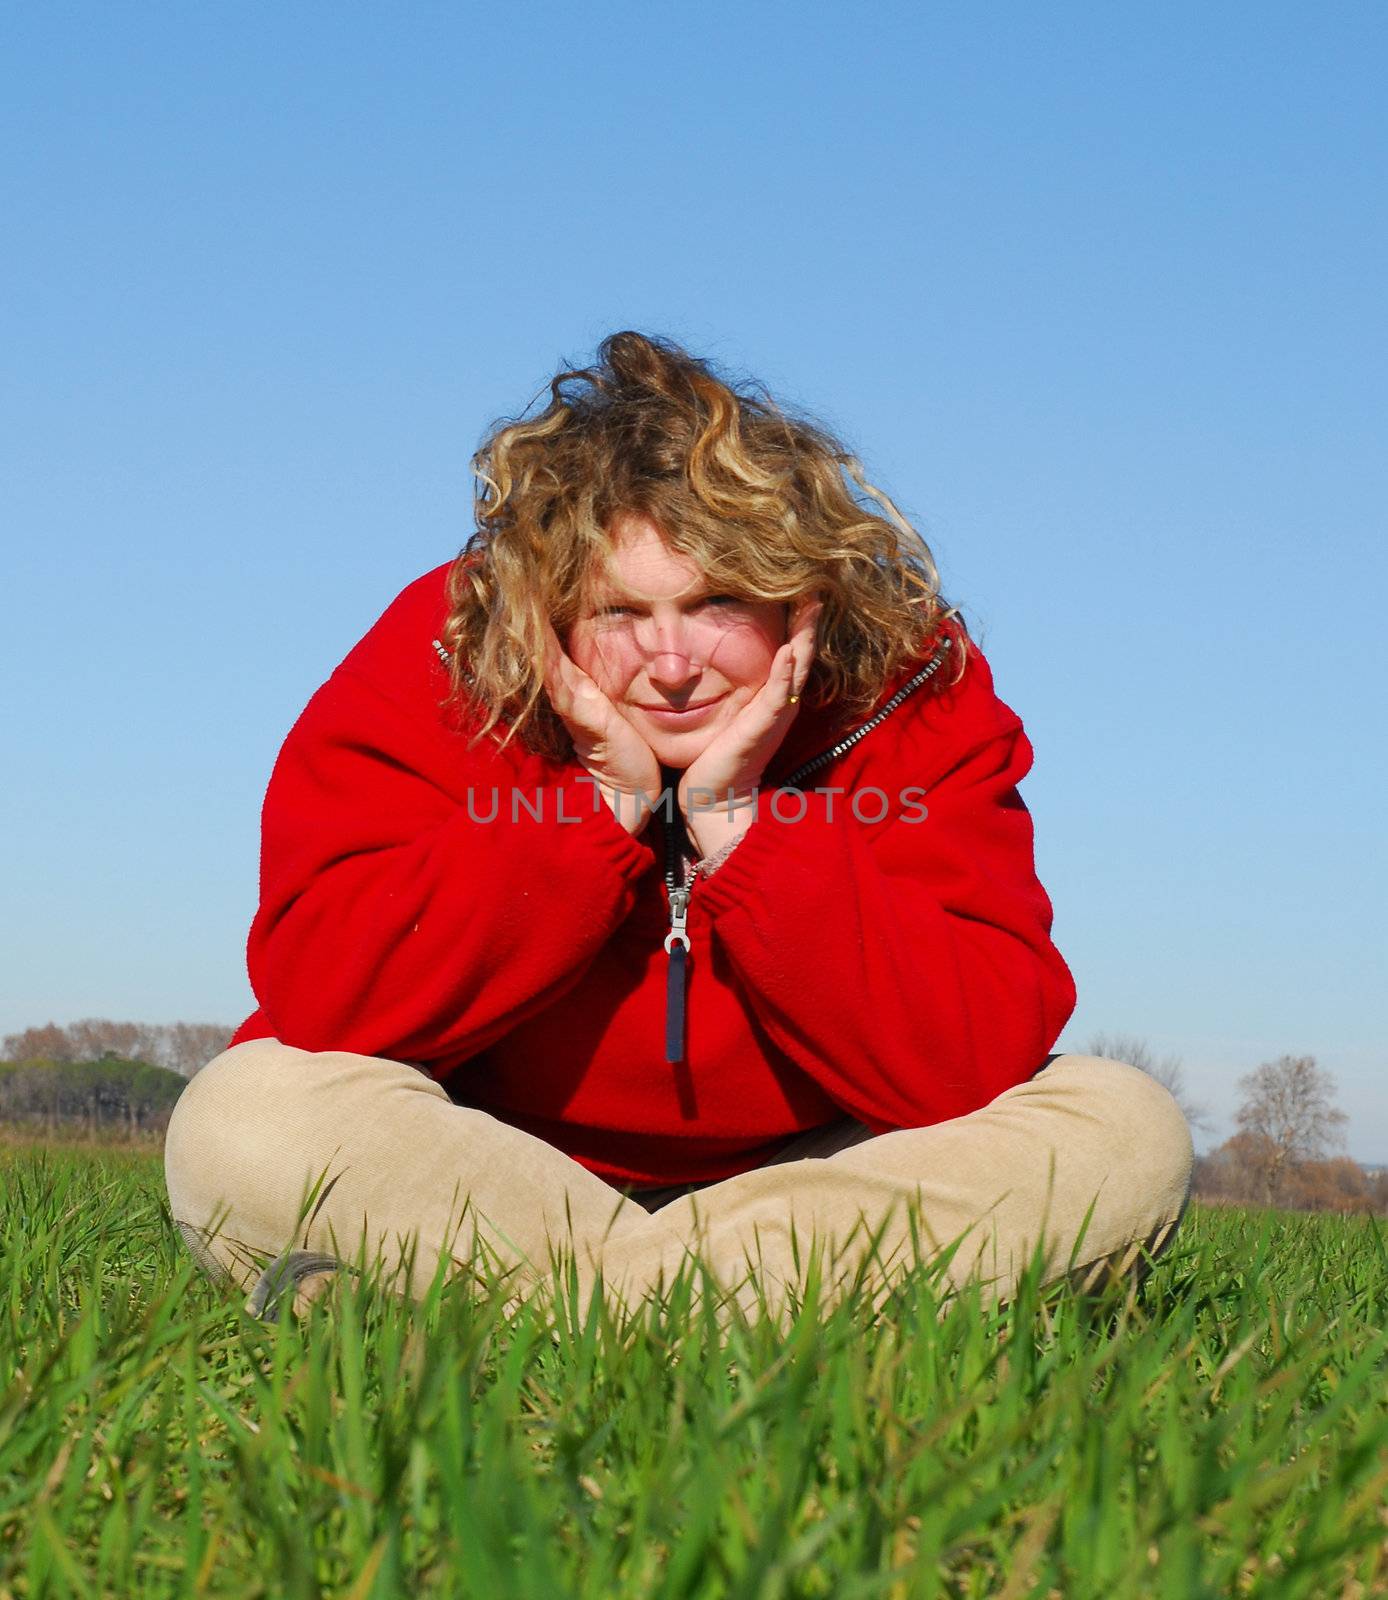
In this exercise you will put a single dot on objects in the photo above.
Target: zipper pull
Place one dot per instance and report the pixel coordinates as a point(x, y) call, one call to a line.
point(676, 977)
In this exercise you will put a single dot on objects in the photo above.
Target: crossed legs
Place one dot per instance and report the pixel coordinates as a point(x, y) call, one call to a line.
point(272, 1147)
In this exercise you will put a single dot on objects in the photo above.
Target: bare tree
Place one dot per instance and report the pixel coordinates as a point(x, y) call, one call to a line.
point(1229, 1173)
point(1168, 1072)
point(48, 1043)
point(94, 1037)
point(1289, 1107)
point(191, 1045)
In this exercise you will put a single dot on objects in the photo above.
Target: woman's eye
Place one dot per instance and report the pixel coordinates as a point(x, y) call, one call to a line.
point(708, 600)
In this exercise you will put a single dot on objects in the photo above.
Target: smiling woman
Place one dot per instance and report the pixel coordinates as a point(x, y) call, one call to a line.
point(690, 1004)
point(682, 665)
point(678, 659)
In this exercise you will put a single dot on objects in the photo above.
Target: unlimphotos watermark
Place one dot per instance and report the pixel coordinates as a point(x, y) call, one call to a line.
point(868, 804)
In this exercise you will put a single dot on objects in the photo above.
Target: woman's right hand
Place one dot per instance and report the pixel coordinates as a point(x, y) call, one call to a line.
point(616, 756)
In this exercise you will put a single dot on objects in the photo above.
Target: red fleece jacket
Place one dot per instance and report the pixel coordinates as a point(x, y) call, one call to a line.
point(900, 970)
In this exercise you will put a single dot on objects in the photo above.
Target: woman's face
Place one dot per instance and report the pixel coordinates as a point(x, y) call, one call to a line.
point(666, 649)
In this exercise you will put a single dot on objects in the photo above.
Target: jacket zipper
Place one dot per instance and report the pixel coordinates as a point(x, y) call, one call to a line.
point(678, 894)
point(676, 944)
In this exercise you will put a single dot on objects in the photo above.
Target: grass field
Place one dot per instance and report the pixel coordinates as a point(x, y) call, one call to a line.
point(1223, 1431)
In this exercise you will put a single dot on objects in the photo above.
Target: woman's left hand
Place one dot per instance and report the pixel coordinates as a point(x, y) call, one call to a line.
point(736, 759)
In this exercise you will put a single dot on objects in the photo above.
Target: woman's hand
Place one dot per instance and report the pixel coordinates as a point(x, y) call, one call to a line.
point(739, 755)
point(618, 759)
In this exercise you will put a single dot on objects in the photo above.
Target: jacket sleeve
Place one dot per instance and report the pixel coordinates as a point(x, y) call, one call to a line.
point(905, 965)
point(396, 917)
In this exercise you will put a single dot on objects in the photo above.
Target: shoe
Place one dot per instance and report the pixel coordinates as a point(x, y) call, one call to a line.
point(287, 1275)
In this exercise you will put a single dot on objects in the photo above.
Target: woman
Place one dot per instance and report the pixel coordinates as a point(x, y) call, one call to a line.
point(653, 878)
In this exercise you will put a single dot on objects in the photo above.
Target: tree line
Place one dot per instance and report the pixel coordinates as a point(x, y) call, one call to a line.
point(182, 1047)
point(109, 1095)
point(1289, 1130)
point(98, 1075)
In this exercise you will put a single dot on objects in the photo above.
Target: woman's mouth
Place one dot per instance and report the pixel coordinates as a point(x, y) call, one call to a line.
point(689, 717)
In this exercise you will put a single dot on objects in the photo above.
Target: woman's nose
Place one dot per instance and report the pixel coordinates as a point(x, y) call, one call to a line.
point(671, 669)
point(671, 658)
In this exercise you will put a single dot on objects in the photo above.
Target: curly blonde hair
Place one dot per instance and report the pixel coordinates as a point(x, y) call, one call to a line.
point(755, 497)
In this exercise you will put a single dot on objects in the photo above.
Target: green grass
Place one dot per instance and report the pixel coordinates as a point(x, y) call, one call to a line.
point(1223, 1430)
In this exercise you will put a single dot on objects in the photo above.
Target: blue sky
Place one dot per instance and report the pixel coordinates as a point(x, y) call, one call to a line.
point(1095, 292)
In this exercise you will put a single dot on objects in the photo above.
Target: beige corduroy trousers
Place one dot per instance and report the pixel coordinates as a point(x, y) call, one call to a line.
point(272, 1149)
